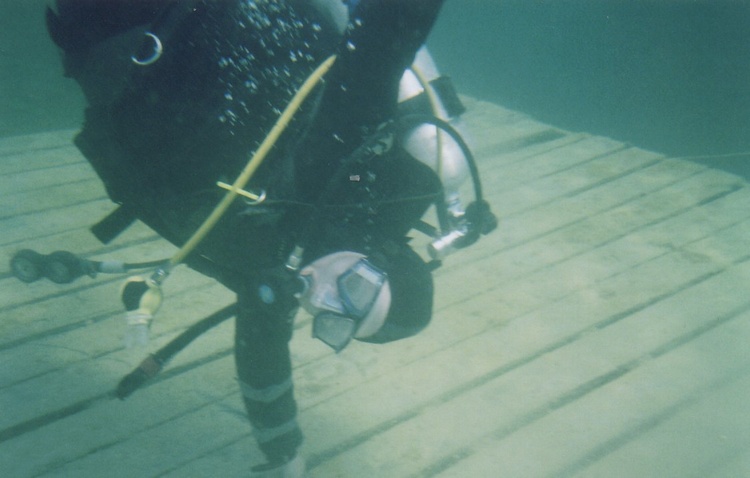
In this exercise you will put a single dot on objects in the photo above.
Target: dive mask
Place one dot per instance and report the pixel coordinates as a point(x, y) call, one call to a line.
point(348, 297)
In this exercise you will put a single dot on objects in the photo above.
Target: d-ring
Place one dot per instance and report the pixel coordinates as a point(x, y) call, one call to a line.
point(156, 50)
point(259, 198)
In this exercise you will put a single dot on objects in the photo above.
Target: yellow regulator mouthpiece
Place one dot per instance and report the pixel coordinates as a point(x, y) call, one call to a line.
point(142, 298)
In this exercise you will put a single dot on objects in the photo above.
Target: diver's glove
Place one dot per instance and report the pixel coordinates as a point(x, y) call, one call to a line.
point(142, 298)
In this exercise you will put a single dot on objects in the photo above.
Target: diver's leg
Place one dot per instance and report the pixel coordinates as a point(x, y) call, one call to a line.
point(265, 374)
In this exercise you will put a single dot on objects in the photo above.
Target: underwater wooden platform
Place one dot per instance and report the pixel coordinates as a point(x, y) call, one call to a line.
point(602, 331)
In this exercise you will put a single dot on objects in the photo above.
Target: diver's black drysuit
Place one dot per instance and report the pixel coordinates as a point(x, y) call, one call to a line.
point(160, 134)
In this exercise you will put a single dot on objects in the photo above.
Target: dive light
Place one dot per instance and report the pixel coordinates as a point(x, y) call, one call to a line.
point(63, 267)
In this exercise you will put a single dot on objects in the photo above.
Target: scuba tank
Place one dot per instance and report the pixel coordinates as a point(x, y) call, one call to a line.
point(424, 141)
point(422, 88)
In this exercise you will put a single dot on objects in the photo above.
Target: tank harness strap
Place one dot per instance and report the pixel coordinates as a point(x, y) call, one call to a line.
point(165, 24)
point(113, 224)
point(445, 91)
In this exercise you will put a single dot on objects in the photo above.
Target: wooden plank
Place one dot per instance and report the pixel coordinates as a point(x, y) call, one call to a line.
point(93, 369)
point(640, 394)
point(49, 222)
point(40, 159)
point(738, 465)
point(21, 145)
point(510, 170)
point(539, 459)
point(656, 211)
point(39, 180)
point(51, 197)
point(92, 337)
point(232, 460)
point(508, 125)
point(561, 217)
point(108, 423)
point(629, 205)
point(154, 451)
point(695, 437)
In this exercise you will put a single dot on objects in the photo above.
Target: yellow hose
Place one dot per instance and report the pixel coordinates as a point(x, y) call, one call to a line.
point(255, 162)
point(434, 106)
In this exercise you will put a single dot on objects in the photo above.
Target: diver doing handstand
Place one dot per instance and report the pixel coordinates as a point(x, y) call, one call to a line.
point(331, 134)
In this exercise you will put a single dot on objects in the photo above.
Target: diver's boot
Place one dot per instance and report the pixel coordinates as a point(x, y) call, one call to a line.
point(294, 468)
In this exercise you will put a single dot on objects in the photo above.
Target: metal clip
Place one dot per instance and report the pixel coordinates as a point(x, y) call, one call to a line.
point(148, 54)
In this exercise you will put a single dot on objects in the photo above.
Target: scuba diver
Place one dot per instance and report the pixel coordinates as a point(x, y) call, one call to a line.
point(181, 93)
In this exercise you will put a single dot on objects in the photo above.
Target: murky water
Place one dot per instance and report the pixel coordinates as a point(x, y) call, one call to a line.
point(671, 76)
point(35, 95)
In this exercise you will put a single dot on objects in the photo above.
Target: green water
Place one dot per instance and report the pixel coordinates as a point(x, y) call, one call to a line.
point(35, 95)
point(668, 75)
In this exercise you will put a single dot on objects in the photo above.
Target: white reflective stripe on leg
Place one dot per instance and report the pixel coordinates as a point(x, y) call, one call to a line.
point(264, 435)
point(268, 394)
